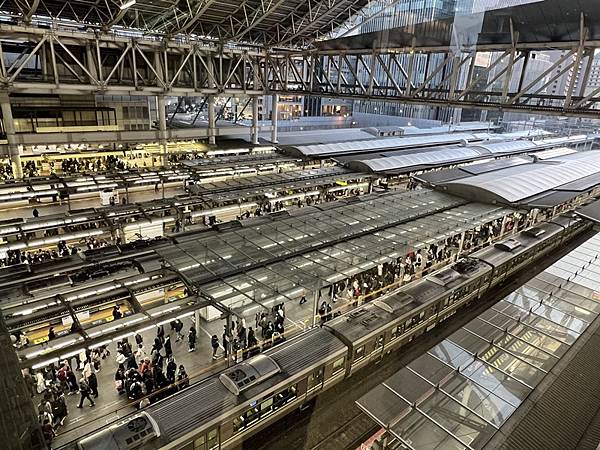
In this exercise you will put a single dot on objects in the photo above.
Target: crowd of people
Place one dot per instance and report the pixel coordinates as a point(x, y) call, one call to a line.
point(269, 207)
point(43, 255)
point(142, 375)
point(105, 163)
point(6, 172)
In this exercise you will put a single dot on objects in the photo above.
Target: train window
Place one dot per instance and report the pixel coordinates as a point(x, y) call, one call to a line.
point(266, 406)
point(359, 353)
point(397, 331)
point(200, 443)
point(285, 396)
point(338, 365)
point(379, 341)
point(238, 424)
point(213, 439)
point(315, 379)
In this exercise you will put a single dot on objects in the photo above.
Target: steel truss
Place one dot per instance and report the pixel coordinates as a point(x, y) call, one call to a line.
point(35, 60)
point(448, 76)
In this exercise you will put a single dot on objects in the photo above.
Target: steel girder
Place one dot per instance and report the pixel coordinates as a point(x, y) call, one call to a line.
point(35, 60)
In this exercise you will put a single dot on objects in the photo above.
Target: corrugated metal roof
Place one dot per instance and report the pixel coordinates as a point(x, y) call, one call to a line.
point(506, 147)
point(430, 158)
point(386, 143)
point(518, 183)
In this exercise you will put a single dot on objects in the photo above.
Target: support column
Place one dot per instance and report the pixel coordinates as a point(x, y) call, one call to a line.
point(197, 318)
point(255, 120)
point(212, 123)
point(9, 128)
point(274, 118)
point(162, 128)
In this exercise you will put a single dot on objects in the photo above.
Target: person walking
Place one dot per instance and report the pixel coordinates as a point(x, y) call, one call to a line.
point(192, 339)
point(214, 342)
point(84, 390)
point(178, 328)
point(90, 377)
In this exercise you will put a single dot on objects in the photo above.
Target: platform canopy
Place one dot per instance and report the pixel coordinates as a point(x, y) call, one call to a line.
point(544, 183)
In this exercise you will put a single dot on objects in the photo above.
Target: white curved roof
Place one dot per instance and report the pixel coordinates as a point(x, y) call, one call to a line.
point(422, 158)
point(386, 143)
point(506, 147)
point(518, 183)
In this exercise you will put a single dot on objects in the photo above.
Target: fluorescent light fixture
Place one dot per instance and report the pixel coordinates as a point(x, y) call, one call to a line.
point(123, 336)
point(70, 354)
point(127, 4)
point(100, 344)
point(44, 363)
point(187, 314)
point(36, 353)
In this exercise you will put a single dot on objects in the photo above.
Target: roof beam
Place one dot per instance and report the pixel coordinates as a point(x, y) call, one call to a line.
point(200, 10)
point(257, 20)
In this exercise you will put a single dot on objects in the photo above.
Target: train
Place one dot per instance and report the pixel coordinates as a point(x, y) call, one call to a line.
point(221, 411)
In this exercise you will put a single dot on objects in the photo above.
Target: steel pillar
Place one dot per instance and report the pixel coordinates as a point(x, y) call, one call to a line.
point(255, 120)
point(212, 123)
point(274, 114)
point(9, 129)
point(162, 127)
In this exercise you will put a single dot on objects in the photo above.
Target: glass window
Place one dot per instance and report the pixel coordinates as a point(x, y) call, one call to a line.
point(200, 443)
point(379, 342)
point(359, 353)
point(213, 439)
point(315, 379)
point(267, 405)
point(338, 365)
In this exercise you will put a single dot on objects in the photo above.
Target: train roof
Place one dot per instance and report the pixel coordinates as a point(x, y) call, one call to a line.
point(361, 322)
point(516, 244)
point(209, 399)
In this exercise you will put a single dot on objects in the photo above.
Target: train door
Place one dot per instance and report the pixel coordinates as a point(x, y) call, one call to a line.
point(378, 347)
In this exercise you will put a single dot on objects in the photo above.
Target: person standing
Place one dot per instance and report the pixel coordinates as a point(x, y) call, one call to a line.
point(214, 342)
point(140, 353)
point(192, 339)
point(171, 369)
point(84, 390)
point(167, 345)
point(116, 312)
point(182, 378)
point(139, 340)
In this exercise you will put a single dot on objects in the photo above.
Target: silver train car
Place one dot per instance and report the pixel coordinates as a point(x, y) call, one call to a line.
point(223, 410)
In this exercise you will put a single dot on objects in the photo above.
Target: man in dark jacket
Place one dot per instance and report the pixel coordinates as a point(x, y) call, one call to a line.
point(214, 342)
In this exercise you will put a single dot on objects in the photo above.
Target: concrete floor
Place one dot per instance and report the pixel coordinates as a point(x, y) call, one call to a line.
point(110, 405)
